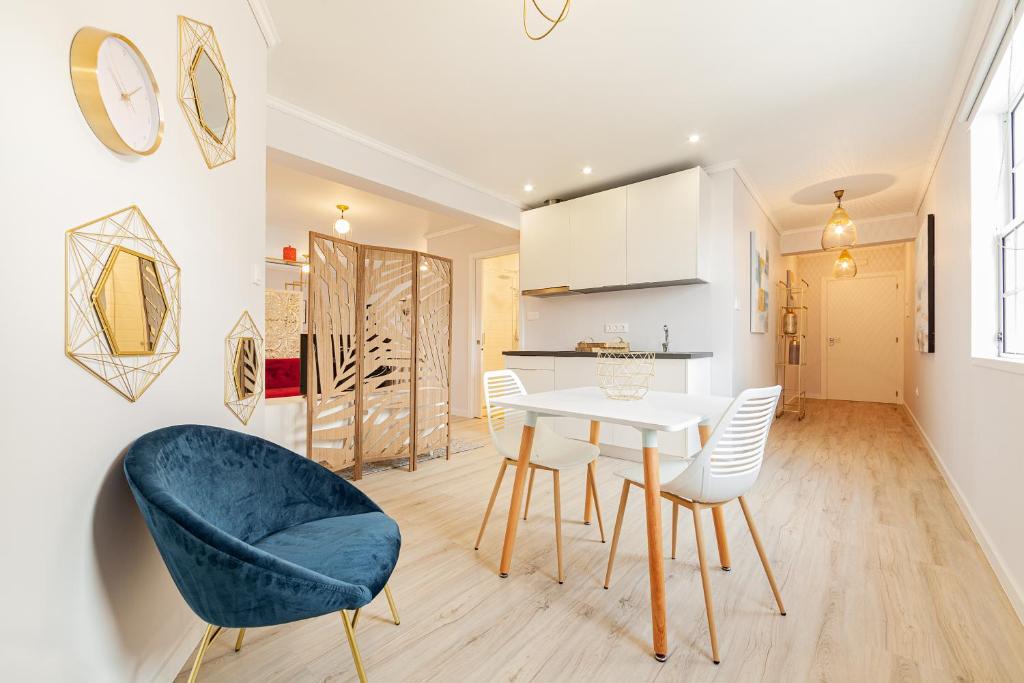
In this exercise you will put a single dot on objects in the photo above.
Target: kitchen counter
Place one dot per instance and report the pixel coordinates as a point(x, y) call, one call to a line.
point(680, 355)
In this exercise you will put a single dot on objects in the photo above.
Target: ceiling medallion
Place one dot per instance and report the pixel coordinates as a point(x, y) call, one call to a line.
point(553, 21)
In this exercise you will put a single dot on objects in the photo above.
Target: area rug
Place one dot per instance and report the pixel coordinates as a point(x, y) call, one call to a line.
point(458, 446)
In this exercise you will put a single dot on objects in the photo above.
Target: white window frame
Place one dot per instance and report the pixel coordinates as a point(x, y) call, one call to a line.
point(1016, 220)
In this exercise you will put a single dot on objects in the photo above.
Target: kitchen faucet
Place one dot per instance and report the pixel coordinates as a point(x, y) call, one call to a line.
point(664, 344)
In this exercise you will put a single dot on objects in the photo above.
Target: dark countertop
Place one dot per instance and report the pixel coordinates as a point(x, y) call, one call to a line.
point(684, 355)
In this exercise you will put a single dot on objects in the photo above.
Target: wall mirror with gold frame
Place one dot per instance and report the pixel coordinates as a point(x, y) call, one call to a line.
point(205, 93)
point(243, 368)
point(123, 301)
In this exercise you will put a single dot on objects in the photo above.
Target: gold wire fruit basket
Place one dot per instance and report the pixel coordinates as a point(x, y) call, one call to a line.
point(625, 376)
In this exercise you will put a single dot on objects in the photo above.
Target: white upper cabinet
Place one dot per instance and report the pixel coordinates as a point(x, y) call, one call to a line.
point(597, 255)
point(651, 233)
point(544, 247)
point(667, 228)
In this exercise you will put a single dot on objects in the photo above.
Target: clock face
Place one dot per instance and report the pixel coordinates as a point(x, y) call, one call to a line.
point(129, 94)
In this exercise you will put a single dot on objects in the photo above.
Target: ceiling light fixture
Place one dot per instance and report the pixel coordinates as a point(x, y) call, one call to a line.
point(587, 170)
point(839, 232)
point(342, 226)
point(527, 187)
point(845, 266)
point(694, 137)
point(553, 21)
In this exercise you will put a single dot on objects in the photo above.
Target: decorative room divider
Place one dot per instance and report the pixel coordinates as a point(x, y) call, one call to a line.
point(379, 345)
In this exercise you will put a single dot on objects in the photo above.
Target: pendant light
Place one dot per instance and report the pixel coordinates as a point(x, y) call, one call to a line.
point(342, 226)
point(839, 232)
point(553, 21)
point(845, 266)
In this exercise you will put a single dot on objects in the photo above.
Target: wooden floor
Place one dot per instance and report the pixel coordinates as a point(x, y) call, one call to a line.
point(880, 573)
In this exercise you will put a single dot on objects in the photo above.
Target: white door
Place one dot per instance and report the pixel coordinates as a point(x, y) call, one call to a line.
point(863, 330)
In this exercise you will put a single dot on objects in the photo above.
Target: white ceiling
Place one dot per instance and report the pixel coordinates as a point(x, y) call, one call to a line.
point(298, 202)
point(798, 92)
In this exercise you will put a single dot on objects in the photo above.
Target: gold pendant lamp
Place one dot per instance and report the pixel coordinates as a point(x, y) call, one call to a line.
point(845, 266)
point(553, 21)
point(839, 232)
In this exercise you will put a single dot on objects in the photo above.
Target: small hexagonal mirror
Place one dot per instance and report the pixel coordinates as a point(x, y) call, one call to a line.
point(245, 369)
point(211, 98)
point(129, 300)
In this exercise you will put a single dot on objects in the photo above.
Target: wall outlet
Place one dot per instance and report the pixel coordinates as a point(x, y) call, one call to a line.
point(257, 273)
point(533, 315)
point(613, 328)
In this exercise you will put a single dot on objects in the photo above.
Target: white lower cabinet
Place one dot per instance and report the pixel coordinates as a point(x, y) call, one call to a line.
point(568, 372)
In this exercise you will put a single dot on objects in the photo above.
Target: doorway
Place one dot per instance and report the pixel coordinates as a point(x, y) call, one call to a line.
point(498, 314)
point(863, 338)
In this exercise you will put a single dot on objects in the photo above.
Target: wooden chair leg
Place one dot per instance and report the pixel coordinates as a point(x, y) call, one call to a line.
point(718, 516)
point(675, 527)
point(592, 487)
point(705, 580)
point(762, 555)
point(490, 503)
point(616, 532)
point(529, 492)
point(558, 525)
point(595, 433)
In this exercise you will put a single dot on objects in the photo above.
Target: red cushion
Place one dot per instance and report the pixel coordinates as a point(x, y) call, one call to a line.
point(282, 377)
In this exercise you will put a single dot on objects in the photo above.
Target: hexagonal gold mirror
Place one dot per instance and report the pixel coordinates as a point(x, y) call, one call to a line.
point(130, 303)
point(245, 368)
point(211, 97)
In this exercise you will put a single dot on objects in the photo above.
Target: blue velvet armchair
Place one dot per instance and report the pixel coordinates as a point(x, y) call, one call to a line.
point(255, 535)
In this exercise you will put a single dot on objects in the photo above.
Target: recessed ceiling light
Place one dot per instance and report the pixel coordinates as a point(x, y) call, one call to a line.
point(527, 187)
point(587, 170)
point(694, 137)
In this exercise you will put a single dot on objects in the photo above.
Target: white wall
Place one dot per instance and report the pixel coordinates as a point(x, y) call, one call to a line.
point(85, 595)
point(460, 247)
point(708, 317)
point(970, 412)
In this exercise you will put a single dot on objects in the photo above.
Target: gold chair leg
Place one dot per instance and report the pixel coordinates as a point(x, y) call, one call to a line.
point(490, 503)
point(350, 632)
point(705, 580)
point(208, 637)
point(529, 492)
point(762, 555)
point(355, 617)
point(238, 642)
point(558, 525)
point(675, 527)
point(391, 604)
point(615, 534)
point(592, 483)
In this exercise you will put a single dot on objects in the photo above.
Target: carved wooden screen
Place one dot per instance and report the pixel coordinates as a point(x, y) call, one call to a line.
point(433, 354)
point(332, 352)
point(387, 354)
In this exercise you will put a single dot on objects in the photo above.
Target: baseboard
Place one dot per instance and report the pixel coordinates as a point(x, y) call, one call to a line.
point(995, 560)
point(461, 412)
point(180, 653)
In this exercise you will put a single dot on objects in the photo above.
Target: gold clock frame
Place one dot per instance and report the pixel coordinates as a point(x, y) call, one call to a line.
point(195, 37)
point(242, 406)
point(84, 56)
point(88, 249)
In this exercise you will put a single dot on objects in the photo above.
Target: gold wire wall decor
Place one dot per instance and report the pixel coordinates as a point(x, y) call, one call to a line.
point(205, 92)
point(243, 368)
point(553, 21)
point(625, 376)
point(122, 308)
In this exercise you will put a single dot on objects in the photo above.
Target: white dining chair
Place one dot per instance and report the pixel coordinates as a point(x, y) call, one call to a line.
point(724, 470)
point(551, 452)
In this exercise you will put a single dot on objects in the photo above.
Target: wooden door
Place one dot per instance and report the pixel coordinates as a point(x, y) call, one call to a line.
point(863, 333)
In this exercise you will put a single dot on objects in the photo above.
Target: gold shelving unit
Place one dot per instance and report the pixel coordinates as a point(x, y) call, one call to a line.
point(791, 347)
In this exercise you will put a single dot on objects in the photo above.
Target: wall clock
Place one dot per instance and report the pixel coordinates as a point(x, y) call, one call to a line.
point(116, 91)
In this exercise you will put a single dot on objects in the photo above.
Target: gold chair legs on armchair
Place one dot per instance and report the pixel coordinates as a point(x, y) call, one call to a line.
point(212, 632)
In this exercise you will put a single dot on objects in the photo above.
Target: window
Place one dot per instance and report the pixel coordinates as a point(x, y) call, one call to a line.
point(1011, 246)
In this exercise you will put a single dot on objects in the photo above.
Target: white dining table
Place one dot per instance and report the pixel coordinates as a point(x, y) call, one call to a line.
point(658, 411)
